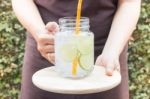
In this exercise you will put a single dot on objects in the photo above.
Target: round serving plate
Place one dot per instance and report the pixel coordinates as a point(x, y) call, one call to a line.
point(48, 79)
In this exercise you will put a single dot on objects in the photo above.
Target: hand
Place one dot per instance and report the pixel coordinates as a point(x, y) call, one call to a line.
point(110, 62)
point(45, 41)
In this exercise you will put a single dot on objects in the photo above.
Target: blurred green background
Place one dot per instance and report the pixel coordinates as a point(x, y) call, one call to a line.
point(12, 37)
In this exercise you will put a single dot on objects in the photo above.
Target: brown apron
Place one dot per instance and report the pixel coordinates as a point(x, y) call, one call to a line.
point(101, 13)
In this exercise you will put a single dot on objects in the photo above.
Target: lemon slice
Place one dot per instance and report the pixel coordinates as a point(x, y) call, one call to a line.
point(68, 52)
point(85, 45)
point(86, 62)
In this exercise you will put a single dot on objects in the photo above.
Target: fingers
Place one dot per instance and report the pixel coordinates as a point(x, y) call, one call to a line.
point(99, 61)
point(47, 52)
point(117, 66)
point(46, 49)
point(45, 39)
point(109, 69)
point(45, 45)
point(51, 57)
point(52, 27)
point(109, 64)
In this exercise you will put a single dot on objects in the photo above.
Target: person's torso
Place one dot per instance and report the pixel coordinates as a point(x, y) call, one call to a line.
point(100, 13)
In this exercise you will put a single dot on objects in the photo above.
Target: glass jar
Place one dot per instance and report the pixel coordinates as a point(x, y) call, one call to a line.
point(74, 53)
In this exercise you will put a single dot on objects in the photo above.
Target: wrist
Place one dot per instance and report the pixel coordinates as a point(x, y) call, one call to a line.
point(111, 49)
point(111, 53)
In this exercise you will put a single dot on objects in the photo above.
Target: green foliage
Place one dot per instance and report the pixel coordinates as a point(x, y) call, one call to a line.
point(12, 37)
point(139, 57)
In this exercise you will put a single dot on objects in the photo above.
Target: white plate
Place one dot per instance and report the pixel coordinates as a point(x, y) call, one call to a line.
point(47, 79)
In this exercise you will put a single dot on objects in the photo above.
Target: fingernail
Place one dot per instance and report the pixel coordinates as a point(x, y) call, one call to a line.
point(109, 71)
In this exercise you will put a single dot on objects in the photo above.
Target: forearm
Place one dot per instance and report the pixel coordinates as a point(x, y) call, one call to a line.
point(123, 25)
point(27, 13)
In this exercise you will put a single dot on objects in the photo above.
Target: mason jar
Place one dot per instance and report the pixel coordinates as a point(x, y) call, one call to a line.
point(74, 52)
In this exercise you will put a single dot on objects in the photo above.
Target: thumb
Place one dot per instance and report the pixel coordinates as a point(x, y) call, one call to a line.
point(109, 69)
point(52, 27)
point(99, 61)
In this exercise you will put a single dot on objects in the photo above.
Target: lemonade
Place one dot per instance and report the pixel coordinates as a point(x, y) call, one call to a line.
point(74, 54)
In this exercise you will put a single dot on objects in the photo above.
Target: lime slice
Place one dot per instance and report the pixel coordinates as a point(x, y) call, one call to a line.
point(85, 44)
point(86, 62)
point(68, 52)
